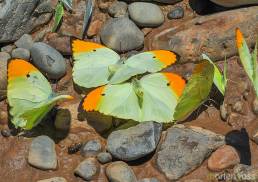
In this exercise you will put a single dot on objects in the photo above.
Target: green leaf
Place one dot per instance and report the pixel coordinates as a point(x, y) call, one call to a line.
point(87, 15)
point(68, 4)
point(196, 91)
point(59, 12)
point(218, 79)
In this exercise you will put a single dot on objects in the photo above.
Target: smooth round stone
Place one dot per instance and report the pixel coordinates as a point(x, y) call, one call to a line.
point(87, 169)
point(146, 14)
point(48, 60)
point(234, 3)
point(91, 148)
point(104, 157)
point(176, 13)
point(121, 34)
point(120, 172)
point(223, 158)
point(54, 179)
point(21, 53)
point(118, 9)
point(42, 153)
point(25, 42)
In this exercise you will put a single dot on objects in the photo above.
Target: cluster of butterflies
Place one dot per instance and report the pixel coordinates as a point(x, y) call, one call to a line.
point(131, 89)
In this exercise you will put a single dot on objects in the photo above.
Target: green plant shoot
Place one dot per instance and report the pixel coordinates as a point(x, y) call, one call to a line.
point(59, 12)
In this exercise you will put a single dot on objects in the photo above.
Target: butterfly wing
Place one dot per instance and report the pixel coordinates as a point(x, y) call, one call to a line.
point(28, 90)
point(152, 61)
point(116, 100)
point(160, 96)
point(92, 63)
point(196, 90)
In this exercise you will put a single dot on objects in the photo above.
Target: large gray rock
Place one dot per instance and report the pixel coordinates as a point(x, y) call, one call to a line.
point(120, 172)
point(234, 3)
point(48, 60)
point(135, 142)
point(153, 17)
point(184, 149)
point(42, 153)
point(121, 34)
point(18, 17)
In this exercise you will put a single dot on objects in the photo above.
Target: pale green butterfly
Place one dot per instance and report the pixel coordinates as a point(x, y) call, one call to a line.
point(29, 94)
point(151, 98)
point(97, 65)
point(196, 91)
point(248, 60)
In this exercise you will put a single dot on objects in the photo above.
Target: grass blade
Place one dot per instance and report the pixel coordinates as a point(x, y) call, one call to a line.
point(59, 12)
point(68, 4)
point(87, 15)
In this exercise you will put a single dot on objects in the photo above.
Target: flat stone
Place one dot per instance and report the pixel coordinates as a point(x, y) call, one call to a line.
point(184, 149)
point(25, 42)
point(87, 169)
point(91, 148)
point(204, 36)
point(143, 18)
point(234, 3)
point(135, 142)
point(42, 153)
point(24, 15)
point(120, 172)
point(121, 34)
point(21, 53)
point(48, 60)
point(118, 9)
point(104, 157)
point(223, 158)
point(55, 179)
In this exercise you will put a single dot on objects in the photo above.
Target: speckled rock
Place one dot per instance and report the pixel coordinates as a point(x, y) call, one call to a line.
point(143, 18)
point(135, 142)
point(121, 34)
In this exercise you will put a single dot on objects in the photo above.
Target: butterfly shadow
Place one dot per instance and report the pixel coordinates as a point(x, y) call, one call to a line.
point(239, 139)
point(46, 127)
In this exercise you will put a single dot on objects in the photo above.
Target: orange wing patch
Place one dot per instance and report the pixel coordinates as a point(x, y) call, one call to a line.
point(92, 100)
point(176, 83)
point(239, 38)
point(83, 46)
point(165, 57)
point(19, 67)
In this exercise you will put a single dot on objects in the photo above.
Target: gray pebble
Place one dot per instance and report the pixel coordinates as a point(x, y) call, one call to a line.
point(87, 169)
point(118, 9)
point(104, 157)
point(176, 13)
point(25, 42)
point(91, 148)
point(48, 60)
point(42, 153)
point(146, 14)
point(120, 172)
point(21, 53)
point(121, 34)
